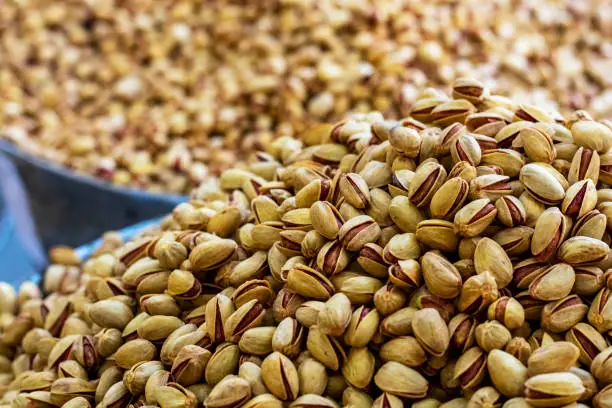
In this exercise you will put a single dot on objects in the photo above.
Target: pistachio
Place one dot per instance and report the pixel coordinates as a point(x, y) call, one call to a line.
point(553, 390)
point(400, 380)
point(507, 373)
point(555, 357)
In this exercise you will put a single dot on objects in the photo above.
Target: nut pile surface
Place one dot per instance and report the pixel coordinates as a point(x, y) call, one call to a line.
point(457, 258)
point(143, 93)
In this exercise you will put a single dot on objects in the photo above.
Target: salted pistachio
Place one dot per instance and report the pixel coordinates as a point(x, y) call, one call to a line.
point(519, 348)
point(255, 289)
point(507, 311)
point(405, 350)
point(485, 397)
point(558, 356)
point(580, 198)
point(449, 198)
point(389, 298)
point(280, 376)
point(488, 170)
point(212, 254)
point(257, 340)
point(492, 186)
point(490, 256)
point(492, 335)
point(313, 401)
point(441, 276)
point(135, 351)
point(65, 389)
point(471, 367)
point(438, 234)
point(510, 211)
point(312, 243)
point(591, 224)
point(326, 219)
point(543, 183)
point(159, 304)
point(593, 135)
point(553, 283)
point(603, 397)
point(335, 315)
point(466, 148)
point(431, 331)
point(509, 161)
point(474, 218)
point(286, 303)
point(249, 315)
point(312, 377)
point(371, 259)
point(400, 182)
point(533, 208)
point(358, 368)
point(405, 214)
point(563, 314)
point(463, 170)
point(333, 258)
point(553, 389)
point(158, 328)
point(223, 362)
point(397, 379)
point(588, 381)
point(579, 251)
point(110, 314)
point(601, 366)
point(405, 274)
point(325, 349)
point(462, 331)
point(507, 373)
point(355, 190)
point(477, 293)
point(117, 394)
point(451, 111)
point(136, 378)
point(358, 231)
point(587, 164)
point(588, 341)
point(405, 140)
point(218, 310)
point(309, 283)
point(426, 181)
point(538, 142)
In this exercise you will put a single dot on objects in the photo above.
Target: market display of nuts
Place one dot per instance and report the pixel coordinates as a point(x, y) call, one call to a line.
point(159, 96)
point(366, 270)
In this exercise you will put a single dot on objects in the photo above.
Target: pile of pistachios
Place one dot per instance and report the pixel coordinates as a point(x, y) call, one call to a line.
point(158, 94)
point(457, 257)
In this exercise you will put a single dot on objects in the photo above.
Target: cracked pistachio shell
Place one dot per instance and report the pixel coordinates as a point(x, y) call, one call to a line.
point(426, 181)
point(578, 251)
point(510, 211)
point(550, 231)
point(449, 198)
point(553, 389)
point(326, 219)
point(475, 217)
point(544, 183)
point(563, 314)
point(280, 376)
point(580, 198)
point(325, 349)
point(309, 283)
point(553, 283)
point(358, 231)
point(437, 234)
point(588, 341)
point(471, 367)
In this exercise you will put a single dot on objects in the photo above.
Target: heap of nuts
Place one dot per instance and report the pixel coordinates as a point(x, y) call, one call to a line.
point(145, 93)
point(455, 258)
